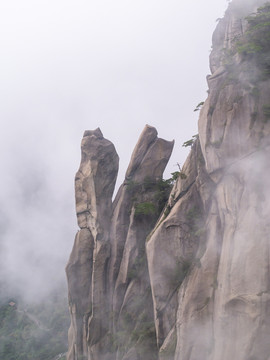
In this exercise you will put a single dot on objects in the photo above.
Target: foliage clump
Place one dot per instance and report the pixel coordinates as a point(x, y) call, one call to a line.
point(255, 44)
point(199, 106)
point(145, 208)
point(33, 332)
point(191, 141)
point(153, 205)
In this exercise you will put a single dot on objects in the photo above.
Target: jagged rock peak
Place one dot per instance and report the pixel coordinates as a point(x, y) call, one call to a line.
point(96, 177)
point(229, 30)
point(97, 133)
point(147, 137)
point(110, 248)
point(150, 156)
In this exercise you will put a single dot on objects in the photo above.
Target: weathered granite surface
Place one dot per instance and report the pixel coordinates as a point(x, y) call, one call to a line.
point(109, 289)
point(183, 275)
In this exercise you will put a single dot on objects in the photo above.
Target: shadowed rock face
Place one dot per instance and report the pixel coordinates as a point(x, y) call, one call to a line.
point(183, 276)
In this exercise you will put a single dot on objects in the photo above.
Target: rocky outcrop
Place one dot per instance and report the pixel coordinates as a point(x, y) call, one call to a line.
point(94, 186)
point(220, 307)
point(109, 289)
point(182, 272)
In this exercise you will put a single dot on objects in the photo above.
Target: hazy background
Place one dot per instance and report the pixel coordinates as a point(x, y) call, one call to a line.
point(67, 66)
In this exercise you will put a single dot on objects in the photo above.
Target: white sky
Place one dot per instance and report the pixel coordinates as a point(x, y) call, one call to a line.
point(67, 66)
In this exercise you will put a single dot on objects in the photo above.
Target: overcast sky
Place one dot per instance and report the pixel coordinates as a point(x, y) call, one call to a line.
point(67, 66)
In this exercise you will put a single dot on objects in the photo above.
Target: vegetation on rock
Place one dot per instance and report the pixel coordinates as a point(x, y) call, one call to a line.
point(161, 189)
point(255, 44)
point(145, 209)
point(199, 106)
point(191, 141)
point(34, 332)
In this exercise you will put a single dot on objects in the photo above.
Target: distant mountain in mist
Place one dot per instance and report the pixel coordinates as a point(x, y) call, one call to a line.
point(36, 330)
point(179, 268)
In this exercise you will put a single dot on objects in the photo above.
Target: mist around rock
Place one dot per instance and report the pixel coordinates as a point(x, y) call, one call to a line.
point(190, 282)
point(185, 273)
point(61, 76)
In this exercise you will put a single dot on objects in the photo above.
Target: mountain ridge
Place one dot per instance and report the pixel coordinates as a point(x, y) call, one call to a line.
point(179, 269)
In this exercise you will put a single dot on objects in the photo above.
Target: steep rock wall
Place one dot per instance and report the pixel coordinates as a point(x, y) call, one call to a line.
point(109, 289)
point(188, 280)
point(222, 300)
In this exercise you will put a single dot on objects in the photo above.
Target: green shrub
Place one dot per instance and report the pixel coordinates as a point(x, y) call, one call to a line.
point(191, 141)
point(199, 106)
point(159, 190)
point(175, 175)
point(149, 183)
point(131, 185)
point(255, 44)
point(145, 208)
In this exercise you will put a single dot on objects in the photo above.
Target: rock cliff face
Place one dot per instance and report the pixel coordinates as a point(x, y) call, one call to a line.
point(109, 289)
point(181, 273)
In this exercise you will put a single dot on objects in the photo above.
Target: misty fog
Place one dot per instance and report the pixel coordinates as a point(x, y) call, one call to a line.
point(69, 66)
